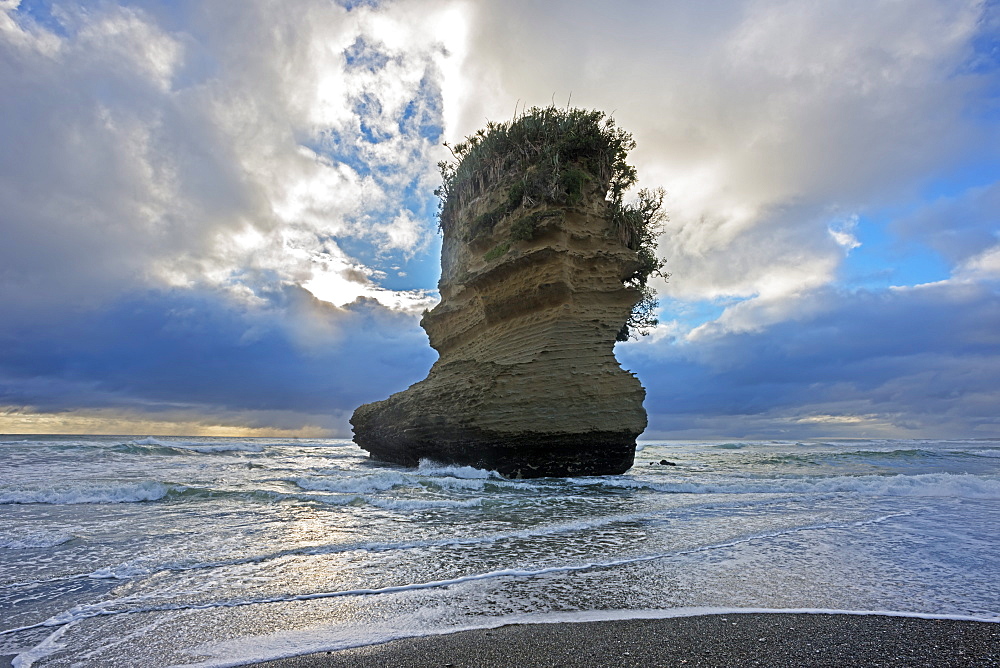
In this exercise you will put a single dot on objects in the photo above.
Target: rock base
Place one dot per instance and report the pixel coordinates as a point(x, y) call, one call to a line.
point(520, 455)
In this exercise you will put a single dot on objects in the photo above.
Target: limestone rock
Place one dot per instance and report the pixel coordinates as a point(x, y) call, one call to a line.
point(527, 383)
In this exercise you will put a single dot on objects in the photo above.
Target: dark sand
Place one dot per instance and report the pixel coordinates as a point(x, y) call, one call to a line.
point(747, 639)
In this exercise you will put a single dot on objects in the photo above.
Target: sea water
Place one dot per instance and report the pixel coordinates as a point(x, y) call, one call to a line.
point(139, 551)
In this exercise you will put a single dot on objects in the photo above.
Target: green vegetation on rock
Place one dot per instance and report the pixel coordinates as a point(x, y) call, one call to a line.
point(549, 156)
point(637, 225)
point(525, 227)
point(497, 251)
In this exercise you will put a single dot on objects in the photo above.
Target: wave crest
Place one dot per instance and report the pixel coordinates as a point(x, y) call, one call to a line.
point(107, 493)
point(965, 486)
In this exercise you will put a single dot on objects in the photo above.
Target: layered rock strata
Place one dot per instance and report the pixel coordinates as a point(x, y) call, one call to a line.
point(527, 383)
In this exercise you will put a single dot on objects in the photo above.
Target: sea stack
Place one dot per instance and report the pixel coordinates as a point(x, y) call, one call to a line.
point(541, 271)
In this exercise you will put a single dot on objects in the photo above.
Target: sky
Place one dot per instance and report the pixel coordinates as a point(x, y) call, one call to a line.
point(218, 218)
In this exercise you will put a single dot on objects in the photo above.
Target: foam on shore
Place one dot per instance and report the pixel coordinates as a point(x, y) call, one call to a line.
point(575, 629)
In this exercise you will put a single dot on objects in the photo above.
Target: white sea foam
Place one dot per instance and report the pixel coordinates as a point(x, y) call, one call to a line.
point(50, 645)
point(287, 644)
point(124, 571)
point(984, 453)
point(462, 484)
point(421, 504)
point(433, 469)
point(132, 569)
point(476, 484)
point(201, 447)
point(328, 499)
point(210, 448)
point(121, 606)
point(94, 493)
point(356, 484)
point(33, 539)
point(965, 486)
point(386, 503)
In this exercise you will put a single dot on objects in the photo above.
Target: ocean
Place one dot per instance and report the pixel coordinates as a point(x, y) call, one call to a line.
point(140, 551)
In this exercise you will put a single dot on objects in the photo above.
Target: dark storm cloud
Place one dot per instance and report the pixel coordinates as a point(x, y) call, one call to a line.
point(164, 190)
point(200, 352)
point(915, 360)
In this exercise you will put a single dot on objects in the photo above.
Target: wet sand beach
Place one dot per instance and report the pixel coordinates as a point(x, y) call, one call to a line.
point(744, 639)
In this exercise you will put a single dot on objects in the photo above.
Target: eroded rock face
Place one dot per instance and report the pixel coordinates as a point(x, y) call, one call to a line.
point(527, 383)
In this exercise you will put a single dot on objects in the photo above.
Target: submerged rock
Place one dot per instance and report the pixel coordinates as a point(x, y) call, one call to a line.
point(535, 289)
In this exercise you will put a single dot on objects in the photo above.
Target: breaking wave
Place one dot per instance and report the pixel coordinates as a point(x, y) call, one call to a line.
point(356, 484)
point(151, 445)
point(965, 486)
point(433, 469)
point(33, 540)
point(72, 495)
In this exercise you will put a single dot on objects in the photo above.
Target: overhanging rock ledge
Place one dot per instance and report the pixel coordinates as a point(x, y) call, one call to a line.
point(534, 294)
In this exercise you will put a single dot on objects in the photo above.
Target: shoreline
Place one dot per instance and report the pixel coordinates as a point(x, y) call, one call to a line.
point(715, 639)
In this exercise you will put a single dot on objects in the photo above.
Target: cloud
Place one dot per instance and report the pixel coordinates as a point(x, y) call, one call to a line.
point(985, 265)
point(181, 181)
point(204, 144)
point(766, 121)
point(21, 420)
point(173, 173)
point(899, 363)
point(959, 227)
point(291, 361)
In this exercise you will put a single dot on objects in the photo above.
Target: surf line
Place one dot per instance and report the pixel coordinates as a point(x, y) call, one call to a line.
point(129, 572)
point(110, 572)
point(79, 613)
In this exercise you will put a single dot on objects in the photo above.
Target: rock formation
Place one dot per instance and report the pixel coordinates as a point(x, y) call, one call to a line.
point(534, 292)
